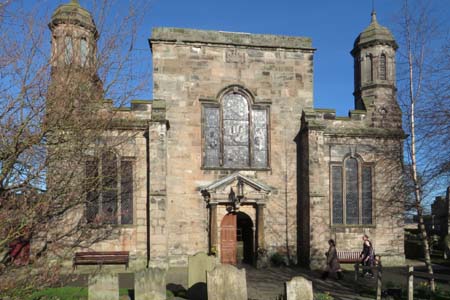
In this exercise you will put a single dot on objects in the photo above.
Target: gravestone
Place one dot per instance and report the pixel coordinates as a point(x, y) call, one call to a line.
point(226, 282)
point(198, 265)
point(299, 288)
point(150, 284)
point(103, 286)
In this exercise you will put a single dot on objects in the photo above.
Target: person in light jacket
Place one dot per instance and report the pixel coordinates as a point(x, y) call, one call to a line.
point(333, 265)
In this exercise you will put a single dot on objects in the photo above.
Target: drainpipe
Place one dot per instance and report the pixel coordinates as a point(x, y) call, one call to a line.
point(147, 204)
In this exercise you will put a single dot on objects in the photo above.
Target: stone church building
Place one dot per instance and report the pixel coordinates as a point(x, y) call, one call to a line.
point(231, 158)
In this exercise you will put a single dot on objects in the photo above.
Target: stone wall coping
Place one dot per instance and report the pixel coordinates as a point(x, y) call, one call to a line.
point(185, 35)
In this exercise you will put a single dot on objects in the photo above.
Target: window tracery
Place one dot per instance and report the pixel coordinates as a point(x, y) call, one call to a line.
point(351, 192)
point(235, 133)
point(109, 189)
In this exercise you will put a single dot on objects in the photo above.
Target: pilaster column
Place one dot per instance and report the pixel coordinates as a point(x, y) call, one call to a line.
point(213, 227)
point(260, 226)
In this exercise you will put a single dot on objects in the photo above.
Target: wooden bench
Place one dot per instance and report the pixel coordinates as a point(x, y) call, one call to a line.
point(347, 257)
point(102, 258)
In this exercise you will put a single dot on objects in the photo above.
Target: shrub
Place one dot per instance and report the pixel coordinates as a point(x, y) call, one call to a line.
point(323, 296)
point(277, 259)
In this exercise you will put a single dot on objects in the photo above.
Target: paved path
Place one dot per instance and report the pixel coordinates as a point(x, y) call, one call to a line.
point(268, 284)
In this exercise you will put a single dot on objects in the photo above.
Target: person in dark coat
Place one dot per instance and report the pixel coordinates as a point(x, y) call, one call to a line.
point(333, 265)
point(367, 256)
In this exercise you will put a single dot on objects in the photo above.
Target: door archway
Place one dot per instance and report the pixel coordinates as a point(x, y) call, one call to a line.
point(237, 239)
point(245, 238)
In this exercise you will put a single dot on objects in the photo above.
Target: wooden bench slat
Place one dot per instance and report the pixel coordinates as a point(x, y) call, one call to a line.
point(101, 258)
point(102, 253)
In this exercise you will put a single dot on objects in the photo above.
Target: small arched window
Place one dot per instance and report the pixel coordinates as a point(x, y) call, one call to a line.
point(383, 70)
point(235, 132)
point(68, 50)
point(84, 51)
point(370, 68)
point(351, 192)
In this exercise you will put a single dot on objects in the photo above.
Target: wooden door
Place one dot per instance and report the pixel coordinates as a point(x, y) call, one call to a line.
point(228, 250)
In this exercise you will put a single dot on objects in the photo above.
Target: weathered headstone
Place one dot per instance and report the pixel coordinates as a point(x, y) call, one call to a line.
point(299, 288)
point(150, 284)
point(226, 282)
point(103, 286)
point(198, 265)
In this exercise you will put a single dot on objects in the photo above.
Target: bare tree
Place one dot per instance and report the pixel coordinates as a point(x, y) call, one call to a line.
point(46, 132)
point(424, 95)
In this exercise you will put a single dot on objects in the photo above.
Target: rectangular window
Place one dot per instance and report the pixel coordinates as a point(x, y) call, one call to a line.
point(109, 186)
point(351, 191)
point(68, 50)
point(260, 151)
point(367, 195)
point(336, 181)
point(91, 186)
point(211, 135)
point(83, 51)
point(126, 192)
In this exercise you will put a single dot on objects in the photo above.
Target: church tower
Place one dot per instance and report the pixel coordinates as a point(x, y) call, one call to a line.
point(75, 84)
point(374, 72)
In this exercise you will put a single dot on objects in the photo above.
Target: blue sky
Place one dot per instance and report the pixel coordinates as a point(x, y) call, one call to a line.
point(333, 26)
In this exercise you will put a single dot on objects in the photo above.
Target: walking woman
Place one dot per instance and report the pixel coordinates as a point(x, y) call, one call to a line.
point(367, 256)
point(333, 265)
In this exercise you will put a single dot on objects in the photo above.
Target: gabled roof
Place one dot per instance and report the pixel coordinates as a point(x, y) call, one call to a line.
point(237, 176)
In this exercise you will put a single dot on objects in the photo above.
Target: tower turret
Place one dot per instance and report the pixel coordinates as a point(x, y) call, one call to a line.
point(374, 72)
point(75, 82)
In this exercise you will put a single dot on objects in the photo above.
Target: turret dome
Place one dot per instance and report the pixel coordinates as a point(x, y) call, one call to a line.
point(73, 13)
point(374, 34)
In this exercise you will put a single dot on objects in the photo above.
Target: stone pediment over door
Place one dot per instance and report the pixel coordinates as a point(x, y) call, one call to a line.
point(254, 191)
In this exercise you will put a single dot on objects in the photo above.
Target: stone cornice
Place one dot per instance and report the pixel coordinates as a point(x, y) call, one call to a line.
point(184, 35)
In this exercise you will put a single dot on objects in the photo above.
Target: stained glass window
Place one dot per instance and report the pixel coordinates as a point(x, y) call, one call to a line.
point(235, 131)
point(109, 188)
point(91, 185)
point(211, 134)
point(351, 192)
point(126, 192)
point(235, 134)
point(351, 189)
point(103, 186)
point(260, 151)
point(338, 210)
point(367, 195)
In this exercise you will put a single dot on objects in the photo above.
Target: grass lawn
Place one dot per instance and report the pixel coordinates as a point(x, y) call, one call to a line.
point(66, 293)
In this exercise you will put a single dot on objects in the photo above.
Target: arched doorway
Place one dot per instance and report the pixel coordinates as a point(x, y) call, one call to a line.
point(236, 239)
point(244, 236)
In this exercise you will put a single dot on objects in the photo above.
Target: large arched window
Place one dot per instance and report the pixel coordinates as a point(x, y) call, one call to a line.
point(109, 189)
point(235, 132)
point(351, 192)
